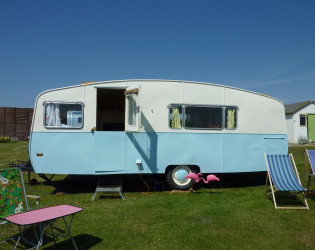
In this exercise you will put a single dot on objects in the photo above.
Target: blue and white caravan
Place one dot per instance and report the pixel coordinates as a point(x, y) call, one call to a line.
point(170, 127)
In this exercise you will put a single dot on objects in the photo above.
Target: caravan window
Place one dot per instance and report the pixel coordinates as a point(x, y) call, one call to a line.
point(132, 108)
point(230, 117)
point(203, 117)
point(63, 115)
point(176, 116)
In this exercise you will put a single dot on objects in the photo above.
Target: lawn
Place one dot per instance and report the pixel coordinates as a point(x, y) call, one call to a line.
point(232, 214)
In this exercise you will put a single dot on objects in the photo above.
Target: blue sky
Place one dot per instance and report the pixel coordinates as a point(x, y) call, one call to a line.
point(262, 46)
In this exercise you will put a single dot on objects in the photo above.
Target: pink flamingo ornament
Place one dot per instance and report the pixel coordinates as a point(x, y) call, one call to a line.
point(198, 177)
point(194, 176)
point(211, 177)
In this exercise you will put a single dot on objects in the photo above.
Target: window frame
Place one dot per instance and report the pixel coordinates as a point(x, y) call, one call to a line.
point(204, 106)
point(200, 105)
point(60, 127)
point(305, 119)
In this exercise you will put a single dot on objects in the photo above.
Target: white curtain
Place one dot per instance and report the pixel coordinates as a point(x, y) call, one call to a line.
point(52, 115)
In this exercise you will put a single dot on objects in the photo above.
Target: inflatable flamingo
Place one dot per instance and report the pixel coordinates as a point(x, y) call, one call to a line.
point(194, 176)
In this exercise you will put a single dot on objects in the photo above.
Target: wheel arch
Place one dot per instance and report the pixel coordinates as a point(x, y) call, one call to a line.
point(191, 166)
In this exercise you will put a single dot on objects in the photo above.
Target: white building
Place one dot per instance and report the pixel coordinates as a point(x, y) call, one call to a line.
point(300, 118)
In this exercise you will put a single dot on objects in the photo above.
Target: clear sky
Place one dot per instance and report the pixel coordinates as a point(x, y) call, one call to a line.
point(262, 46)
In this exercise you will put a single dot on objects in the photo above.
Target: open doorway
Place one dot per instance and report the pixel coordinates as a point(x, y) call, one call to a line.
point(110, 110)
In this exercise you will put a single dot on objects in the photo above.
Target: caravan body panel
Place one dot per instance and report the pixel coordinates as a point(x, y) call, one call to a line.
point(126, 121)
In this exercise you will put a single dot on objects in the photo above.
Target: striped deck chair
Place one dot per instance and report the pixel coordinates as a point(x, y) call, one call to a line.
point(283, 178)
point(309, 166)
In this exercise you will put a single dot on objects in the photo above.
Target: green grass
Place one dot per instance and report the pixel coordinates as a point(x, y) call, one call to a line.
point(12, 152)
point(225, 217)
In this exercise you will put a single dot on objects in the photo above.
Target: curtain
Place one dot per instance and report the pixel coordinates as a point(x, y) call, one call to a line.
point(52, 115)
point(176, 122)
point(230, 119)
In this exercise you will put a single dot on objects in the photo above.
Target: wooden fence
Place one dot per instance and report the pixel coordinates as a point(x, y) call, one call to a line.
point(16, 122)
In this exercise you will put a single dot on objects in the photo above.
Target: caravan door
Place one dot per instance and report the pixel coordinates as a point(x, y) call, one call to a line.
point(311, 127)
point(110, 136)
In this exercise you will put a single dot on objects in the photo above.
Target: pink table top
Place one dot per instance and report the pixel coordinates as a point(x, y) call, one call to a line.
point(42, 215)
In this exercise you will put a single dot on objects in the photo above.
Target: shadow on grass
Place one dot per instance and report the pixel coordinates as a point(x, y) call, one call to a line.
point(287, 199)
point(311, 195)
point(75, 184)
point(83, 241)
point(29, 235)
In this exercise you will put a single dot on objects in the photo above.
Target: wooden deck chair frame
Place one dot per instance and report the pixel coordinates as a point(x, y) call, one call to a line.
point(309, 170)
point(273, 188)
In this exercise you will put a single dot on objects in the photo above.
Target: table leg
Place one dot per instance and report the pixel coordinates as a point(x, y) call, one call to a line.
point(69, 228)
point(21, 235)
point(52, 230)
point(42, 230)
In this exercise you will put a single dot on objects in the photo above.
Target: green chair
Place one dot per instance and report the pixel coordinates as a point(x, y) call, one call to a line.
point(12, 195)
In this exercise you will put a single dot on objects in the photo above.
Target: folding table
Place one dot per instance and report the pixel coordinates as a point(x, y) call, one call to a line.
point(44, 216)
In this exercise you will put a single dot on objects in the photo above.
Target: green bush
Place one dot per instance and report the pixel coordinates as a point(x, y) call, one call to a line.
point(4, 139)
point(303, 140)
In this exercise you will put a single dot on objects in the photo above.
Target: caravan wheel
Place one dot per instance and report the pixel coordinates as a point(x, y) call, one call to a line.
point(176, 177)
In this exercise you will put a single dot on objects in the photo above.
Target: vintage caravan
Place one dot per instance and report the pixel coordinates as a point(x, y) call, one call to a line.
point(165, 127)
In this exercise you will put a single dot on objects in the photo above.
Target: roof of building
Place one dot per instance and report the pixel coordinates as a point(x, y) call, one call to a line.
point(294, 107)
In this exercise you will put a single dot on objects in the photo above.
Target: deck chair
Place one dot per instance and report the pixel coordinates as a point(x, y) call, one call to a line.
point(283, 178)
point(309, 166)
point(12, 194)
